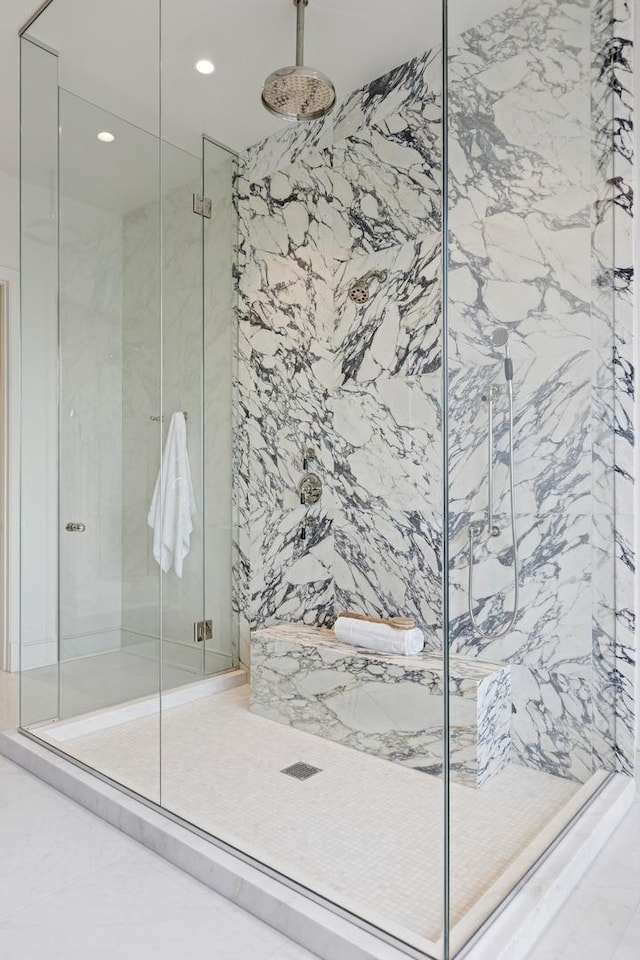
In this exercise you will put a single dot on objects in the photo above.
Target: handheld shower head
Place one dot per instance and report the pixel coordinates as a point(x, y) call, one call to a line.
point(500, 337)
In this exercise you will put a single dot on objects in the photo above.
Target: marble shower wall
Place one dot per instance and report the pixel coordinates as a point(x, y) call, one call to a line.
point(319, 206)
point(532, 246)
point(534, 221)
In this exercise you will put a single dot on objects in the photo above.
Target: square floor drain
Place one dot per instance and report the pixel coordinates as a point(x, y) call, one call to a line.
point(301, 771)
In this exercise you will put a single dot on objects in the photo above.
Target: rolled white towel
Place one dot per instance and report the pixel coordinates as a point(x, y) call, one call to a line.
point(379, 637)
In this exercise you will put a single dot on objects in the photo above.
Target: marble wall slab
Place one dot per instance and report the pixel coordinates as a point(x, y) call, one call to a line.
point(359, 384)
point(531, 250)
point(539, 202)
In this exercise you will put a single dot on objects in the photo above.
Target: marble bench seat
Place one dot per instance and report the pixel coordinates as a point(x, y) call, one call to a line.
point(390, 706)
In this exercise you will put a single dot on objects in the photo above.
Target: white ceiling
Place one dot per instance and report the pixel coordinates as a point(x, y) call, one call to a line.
point(109, 55)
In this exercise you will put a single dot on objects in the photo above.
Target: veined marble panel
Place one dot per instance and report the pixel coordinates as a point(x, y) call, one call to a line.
point(387, 445)
point(531, 243)
point(385, 184)
point(398, 332)
point(390, 706)
point(552, 432)
point(552, 719)
point(295, 232)
point(414, 84)
point(288, 213)
point(290, 577)
point(294, 142)
point(388, 563)
point(520, 101)
point(553, 627)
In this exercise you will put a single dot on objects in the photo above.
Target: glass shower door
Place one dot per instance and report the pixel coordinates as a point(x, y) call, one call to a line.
point(181, 509)
point(39, 693)
point(91, 399)
point(530, 432)
point(221, 466)
point(198, 624)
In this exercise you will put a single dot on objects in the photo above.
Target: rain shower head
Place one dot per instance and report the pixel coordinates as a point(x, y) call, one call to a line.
point(298, 93)
point(359, 291)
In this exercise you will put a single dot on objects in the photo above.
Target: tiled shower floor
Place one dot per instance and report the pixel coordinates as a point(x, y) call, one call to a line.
point(365, 833)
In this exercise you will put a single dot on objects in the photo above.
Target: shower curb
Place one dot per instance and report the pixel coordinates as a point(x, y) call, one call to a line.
point(530, 909)
point(521, 921)
point(298, 917)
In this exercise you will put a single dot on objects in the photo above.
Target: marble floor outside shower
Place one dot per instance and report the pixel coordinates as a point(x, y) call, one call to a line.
point(364, 832)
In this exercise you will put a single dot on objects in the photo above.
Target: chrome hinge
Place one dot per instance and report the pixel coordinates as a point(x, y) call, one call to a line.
point(202, 205)
point(202, 630)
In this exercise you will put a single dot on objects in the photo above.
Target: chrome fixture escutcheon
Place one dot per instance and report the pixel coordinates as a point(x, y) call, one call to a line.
point(310, 489)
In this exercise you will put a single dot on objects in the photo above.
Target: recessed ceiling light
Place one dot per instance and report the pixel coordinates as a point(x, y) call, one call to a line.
point(204, 66)
point(106, 137)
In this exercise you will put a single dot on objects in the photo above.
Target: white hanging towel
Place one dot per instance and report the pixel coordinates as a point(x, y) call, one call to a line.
point(173, 502)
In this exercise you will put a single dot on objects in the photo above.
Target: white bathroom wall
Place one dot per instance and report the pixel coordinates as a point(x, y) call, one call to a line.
point(9, 221)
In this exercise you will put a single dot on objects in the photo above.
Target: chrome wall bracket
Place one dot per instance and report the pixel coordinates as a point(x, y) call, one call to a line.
point(202, 205)
point(202, 631)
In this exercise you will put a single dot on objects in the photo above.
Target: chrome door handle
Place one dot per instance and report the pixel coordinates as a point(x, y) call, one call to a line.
point(76, 527)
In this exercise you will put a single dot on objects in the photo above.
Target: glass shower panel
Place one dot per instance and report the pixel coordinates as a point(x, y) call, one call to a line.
point(220, 384)
point(302, 377)
point(199, 332)
point(182, 509)
point(107, 608)
point(106, 407)
point(530, 431)
point(109, 437)
point(39, 384)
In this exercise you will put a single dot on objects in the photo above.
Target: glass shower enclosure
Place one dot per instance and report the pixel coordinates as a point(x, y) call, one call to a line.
point(375, 364)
